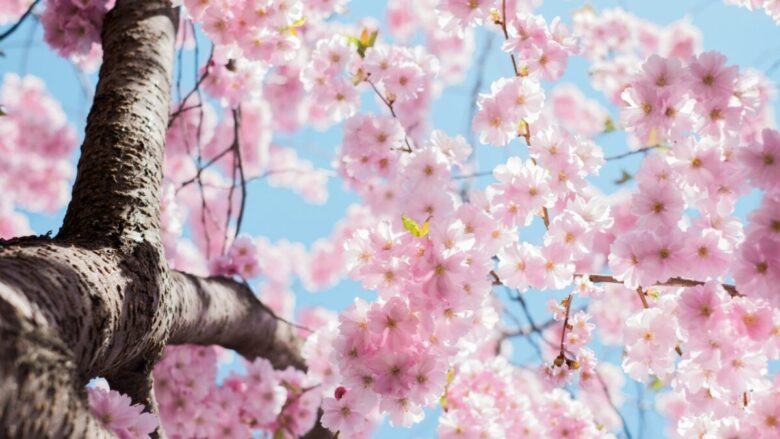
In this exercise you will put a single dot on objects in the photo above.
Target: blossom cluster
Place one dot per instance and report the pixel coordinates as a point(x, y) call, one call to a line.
point(408, 17)
point(261, 30)
point(542, 50)
point(192, 404)
point(615, 42)
point(669, 99)
point(493, 399)
point(72, 28)
point(34, 169)
point(431, 246)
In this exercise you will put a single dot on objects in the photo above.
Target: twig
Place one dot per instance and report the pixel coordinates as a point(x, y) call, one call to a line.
point(562, 356)
point(675, 281)
point(476, 174)
point(237, 122)
point(28, 44)
point(506, 36)
point(642, 297)
point(195, 88)
point(613, 406)
point(630, 153)
point(16, 25)
point(527, 137)
point(392, 112)
point(204, 167)
point(234, 146)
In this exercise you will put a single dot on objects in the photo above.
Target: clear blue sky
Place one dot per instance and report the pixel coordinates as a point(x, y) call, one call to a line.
point(749, 39)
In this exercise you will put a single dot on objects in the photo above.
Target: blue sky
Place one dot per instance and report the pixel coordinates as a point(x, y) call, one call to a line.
point(749, 39)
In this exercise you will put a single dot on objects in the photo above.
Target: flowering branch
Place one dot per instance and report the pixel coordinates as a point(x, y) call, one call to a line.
point(562, 356)
point(502, 23)
point(389, 104)
point(675, 281)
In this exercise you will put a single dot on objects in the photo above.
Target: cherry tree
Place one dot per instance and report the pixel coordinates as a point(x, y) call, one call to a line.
point(151, 284)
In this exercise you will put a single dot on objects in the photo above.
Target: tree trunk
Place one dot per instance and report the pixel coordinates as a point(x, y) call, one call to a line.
point(99, 299)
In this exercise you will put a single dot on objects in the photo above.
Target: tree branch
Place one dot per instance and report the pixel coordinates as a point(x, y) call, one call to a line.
point(221, 311)
point(19, 22)
point(99, 299)
point(116, 195)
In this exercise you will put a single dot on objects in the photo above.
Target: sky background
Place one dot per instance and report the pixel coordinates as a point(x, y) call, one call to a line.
point(749, 39)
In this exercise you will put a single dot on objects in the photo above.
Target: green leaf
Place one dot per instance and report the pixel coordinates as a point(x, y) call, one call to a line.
point(366, 40)
point(412, 227)
point(291, 29)
point(279, 434)
point(652, 292)
point(609, 125)
point(656, 385)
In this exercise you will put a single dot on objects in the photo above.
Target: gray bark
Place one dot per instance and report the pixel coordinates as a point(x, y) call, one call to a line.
point(99, 298)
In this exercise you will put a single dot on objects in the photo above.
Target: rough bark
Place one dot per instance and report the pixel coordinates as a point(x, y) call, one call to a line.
point(99, 299)
point(126, 129)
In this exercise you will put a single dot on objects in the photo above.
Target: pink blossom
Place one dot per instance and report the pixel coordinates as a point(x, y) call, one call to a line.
point(118, 414)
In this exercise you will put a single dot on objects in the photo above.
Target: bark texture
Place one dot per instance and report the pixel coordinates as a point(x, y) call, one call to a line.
point(99, 299)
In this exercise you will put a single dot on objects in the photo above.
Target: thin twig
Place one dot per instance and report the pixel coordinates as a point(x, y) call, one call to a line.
point(675, 281)
point(473, 175)
point(527, 137)
point(613, 406)
point(392, 112)
point(565, 326)
point(506, 36)
point(642, 297)
point(195, 89)
point(204, 167)
point(16, 25)
point(239, 162)
point(630, 153)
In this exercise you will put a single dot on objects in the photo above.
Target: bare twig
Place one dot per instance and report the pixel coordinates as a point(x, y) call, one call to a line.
point(240, 164)
point(19, 22)
point(611, 403)
point(204, 167)
point(565, 326)
point(630, 153)
point(506, 36)
point(195, 89)
point(642, 297)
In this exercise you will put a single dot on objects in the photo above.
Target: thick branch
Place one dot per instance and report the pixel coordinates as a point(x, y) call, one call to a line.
point(105, 313)
point(100, 299)
point(41, 386)
point(223, 312)
point(116, 195)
